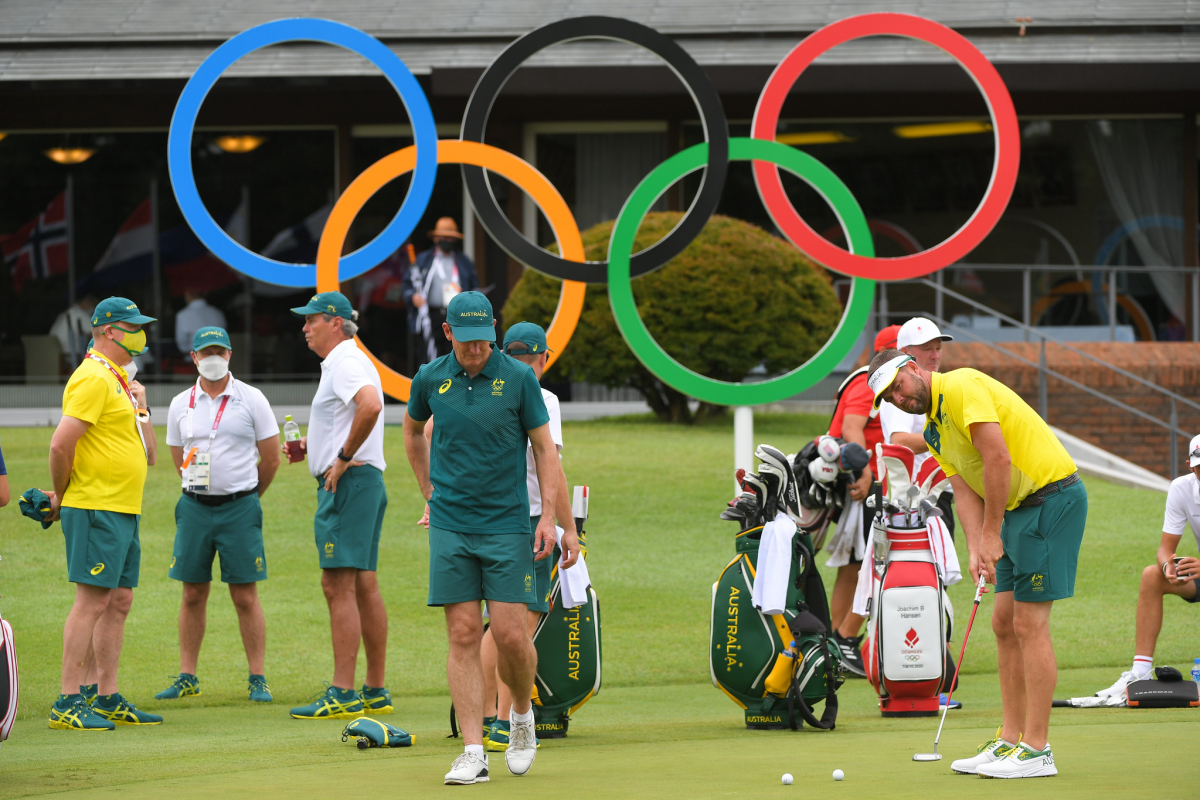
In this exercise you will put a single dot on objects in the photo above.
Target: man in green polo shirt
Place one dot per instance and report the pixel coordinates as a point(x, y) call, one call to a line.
point(487, 406)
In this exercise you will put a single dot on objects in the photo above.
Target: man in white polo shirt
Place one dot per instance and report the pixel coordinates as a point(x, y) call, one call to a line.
point(345, 455)
point(1167, 576)
point(921, 339)
point(225, 443)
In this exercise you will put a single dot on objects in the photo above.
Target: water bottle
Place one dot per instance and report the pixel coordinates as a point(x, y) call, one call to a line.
point(1196, 670)
point(779, 680)
point(291, 438)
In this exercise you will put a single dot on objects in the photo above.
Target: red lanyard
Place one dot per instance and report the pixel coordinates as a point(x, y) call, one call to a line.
point(137, 413)
point(216, 420)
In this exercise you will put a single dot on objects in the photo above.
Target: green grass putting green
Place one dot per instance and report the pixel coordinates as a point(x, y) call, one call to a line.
point(655, 730)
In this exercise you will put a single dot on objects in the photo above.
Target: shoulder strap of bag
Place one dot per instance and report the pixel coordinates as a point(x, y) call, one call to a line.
point(841, 390)
point(796, 704)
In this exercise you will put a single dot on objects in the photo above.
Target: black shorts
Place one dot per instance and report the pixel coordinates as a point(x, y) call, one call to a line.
point(1196, 598)
point(868, 515)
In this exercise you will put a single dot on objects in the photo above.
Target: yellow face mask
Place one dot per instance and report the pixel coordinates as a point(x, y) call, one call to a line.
point(133, 343)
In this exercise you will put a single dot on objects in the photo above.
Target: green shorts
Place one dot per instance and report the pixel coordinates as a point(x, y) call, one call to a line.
point(541, 573)
point(234, 530)
point(349, 521)
point(1041, 547)
point(465, 567)
point(103, 548)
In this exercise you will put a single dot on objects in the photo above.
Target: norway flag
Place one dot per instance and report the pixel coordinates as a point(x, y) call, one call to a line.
point(39, 248)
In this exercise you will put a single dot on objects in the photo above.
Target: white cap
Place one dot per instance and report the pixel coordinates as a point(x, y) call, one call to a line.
point(919, 330)
point(1194, 452)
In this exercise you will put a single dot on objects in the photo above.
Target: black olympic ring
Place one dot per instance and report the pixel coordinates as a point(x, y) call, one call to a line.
point(712, 118)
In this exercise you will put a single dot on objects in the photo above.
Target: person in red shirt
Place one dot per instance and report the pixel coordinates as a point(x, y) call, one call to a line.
point(856, 420)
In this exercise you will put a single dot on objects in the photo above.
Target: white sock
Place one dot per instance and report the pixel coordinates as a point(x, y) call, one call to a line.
point(522, 718)
point(477, 749)
point(1142, 667)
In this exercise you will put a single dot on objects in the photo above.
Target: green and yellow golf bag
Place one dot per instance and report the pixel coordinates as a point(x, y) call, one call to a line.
point(749, 656)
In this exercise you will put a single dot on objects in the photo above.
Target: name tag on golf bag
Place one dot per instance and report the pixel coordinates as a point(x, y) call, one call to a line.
point(568, 669)
point(747, 659)
point(9, 687)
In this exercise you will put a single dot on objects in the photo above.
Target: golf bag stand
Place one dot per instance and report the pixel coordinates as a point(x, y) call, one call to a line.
point(905, 650)
point(568, 647)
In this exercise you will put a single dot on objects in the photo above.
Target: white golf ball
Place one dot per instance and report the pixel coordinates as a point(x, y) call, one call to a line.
point(787, 779)
point(838, 774)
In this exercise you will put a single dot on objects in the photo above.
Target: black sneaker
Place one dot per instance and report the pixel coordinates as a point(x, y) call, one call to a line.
point(851, 656)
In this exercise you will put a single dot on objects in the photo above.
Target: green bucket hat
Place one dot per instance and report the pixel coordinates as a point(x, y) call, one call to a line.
point(118, 309)
point(525, 338)
point(334, 303)
point(207, 337)
point(470, 318)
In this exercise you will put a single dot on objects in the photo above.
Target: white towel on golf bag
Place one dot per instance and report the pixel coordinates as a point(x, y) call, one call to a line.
point(847, 542)
point(774, 565)
point(944, 554)
point(573, 580)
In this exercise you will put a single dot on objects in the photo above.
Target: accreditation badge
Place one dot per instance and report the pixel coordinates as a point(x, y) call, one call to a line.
point(197, 473)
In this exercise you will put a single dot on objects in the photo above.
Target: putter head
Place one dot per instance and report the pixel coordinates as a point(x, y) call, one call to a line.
point(927, 757)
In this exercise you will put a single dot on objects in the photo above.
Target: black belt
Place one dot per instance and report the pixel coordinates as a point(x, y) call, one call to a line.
point(219, 499)
point(1039, 497)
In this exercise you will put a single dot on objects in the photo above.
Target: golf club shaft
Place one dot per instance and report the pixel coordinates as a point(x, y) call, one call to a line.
point(958, 666)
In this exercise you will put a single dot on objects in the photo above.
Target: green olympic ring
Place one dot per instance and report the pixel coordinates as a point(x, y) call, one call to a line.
point(670, 371)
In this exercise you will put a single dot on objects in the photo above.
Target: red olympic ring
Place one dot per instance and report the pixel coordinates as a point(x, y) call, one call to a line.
point(1004, 167)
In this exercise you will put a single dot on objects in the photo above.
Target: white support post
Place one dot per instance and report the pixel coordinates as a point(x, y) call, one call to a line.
point(743, 439)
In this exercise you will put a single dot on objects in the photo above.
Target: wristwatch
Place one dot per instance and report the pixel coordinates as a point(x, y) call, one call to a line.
point(342, 455)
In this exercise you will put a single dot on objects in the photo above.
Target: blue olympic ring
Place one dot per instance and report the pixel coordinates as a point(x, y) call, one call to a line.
point(183, 122)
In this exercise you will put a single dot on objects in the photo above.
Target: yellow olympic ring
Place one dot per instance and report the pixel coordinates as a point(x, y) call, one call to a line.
point(453, 151)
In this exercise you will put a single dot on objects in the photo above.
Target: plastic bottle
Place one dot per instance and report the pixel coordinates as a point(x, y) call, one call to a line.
point(780, 678)
point(291, 438)
point(1196, 670)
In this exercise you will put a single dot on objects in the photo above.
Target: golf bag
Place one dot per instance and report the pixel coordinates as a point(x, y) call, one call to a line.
point(776, 667)
point(568, 647)
point(9, 685)
point(910, 617)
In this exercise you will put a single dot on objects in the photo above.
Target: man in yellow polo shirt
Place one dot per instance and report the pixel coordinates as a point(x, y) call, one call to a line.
point(1023, 510)
point(98, 460)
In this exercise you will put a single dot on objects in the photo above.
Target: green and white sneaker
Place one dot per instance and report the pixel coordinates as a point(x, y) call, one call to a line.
point(72, 713)
point(487, 730)
point(258, 689)
point(184, 685)
point(496, 739)
point(333, 703)
point(376, 701)
point(89, 692)
point(989, 752)
point(119, 711)
point(1022, 761)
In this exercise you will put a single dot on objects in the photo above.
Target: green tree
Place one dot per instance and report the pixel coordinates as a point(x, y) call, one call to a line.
point(735, 298)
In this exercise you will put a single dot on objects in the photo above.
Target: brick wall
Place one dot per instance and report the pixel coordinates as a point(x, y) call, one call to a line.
point(1173, 365)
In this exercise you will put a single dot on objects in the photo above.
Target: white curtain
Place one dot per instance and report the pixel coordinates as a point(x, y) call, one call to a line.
point(608, 167)
point(1141, 164)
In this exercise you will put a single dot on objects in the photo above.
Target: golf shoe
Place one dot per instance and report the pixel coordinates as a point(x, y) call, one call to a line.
point(522, 747)
point(989, 752)
point(1021, 761)
point(467, 769)
point(72, 713)
point(119, 711)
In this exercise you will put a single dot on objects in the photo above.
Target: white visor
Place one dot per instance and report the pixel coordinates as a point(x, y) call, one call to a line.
point(882, 378)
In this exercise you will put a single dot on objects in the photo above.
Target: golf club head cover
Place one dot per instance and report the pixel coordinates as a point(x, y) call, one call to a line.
point(854, 458)
point(369, 732)
point(1168, 674)
point(790, 494)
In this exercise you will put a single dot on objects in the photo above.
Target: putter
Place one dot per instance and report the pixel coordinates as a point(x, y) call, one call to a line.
point(935, 755)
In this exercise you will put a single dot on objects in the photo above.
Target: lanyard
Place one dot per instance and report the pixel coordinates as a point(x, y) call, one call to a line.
point(137, 413)
point(216, 420)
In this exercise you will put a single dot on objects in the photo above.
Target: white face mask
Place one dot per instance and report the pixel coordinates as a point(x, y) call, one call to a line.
point(213, 368)
point(131, 370)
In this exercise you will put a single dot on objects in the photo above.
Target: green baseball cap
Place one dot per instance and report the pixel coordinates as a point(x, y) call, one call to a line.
point(525, 338)
point(470, 318)
point(334, 303)
point(207, 337)
point(119, 309)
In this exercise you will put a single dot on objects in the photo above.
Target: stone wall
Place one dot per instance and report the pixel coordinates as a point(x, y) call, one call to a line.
point(1173, 365)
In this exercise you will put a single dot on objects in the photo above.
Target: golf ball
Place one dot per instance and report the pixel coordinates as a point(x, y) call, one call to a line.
point(838, 774)
point(787, 779)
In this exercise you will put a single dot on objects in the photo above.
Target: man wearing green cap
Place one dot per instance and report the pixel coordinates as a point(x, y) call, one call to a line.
point(487, 406)
point(225, 444)
point(345, 455)
point(98, 459)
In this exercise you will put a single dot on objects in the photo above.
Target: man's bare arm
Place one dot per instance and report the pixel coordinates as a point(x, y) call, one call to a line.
point(549, 472)
point(268, 462)
point(62, 458)
point(913, 441)
point(416, 447)
point(997, 481)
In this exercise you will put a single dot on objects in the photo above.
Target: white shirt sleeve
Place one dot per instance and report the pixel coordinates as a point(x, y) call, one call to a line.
point(1175, 518)
point(174, 416)
point(888, 420)
point(555, 418)
point(265, 424)
point(349, 376)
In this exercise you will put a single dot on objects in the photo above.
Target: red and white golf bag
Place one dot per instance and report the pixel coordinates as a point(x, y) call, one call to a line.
point(8, 680)
point(904, 595)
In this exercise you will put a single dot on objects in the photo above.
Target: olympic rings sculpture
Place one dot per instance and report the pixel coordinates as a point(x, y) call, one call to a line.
point(768, 156)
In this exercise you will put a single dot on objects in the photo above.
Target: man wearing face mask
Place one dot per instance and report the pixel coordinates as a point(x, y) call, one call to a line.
point(225, 443)
point(98, 459)
point(429, 286)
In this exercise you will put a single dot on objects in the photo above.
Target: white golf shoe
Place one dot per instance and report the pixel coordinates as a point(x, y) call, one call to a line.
point(1022, 761)
point(989, 752)
point(522, 747)
point(467, 769)
point(1115, 694)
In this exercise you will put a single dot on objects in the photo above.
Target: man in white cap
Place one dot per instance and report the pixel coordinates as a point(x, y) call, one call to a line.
point(1170, 575)
point(921, 339)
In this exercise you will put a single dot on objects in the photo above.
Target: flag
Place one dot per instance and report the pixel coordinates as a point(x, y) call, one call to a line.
point(294, 245)
point(129, 257)
point(39, 248)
